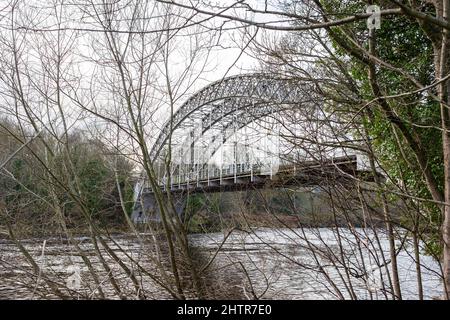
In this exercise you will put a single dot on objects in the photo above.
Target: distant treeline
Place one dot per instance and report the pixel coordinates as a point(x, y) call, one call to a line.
point(283, 207)
point(34, 183)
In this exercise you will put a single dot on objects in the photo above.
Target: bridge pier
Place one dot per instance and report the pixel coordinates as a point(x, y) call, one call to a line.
point(147, 209)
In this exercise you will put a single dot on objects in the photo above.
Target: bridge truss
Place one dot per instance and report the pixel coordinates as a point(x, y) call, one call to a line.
point(232, 103)
point(226, 106)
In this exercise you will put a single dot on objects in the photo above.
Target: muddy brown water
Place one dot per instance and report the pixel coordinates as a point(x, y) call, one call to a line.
point(268, 264)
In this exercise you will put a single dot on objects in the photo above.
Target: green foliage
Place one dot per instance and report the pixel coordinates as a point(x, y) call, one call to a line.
point(86, 168)
point(93, 175)
point(402, 43)
point(95, 169)
point(202, 213)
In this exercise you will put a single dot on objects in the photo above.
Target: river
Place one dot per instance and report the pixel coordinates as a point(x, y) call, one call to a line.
point(319, 263)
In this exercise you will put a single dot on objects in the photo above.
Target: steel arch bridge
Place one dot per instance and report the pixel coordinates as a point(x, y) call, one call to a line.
point(234, 102)
point(227, 105)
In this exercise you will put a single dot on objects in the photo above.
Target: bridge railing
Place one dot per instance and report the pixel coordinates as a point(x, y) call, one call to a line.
point(211, 174)
point(206, 174)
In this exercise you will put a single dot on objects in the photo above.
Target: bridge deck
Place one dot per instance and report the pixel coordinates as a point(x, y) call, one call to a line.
point(312, 173)
point(241, 177)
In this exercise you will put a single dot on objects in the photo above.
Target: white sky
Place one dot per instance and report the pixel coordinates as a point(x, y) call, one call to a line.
point(86, 63)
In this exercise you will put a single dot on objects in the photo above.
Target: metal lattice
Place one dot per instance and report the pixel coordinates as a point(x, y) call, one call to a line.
point(245, 97)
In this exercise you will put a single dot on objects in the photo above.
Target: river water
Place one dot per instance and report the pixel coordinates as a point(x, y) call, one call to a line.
point(320, 263)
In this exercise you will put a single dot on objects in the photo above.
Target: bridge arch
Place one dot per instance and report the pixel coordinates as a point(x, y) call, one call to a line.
point(236, 101)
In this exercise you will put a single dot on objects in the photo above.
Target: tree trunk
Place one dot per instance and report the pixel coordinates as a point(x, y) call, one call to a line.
point(442, 68)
